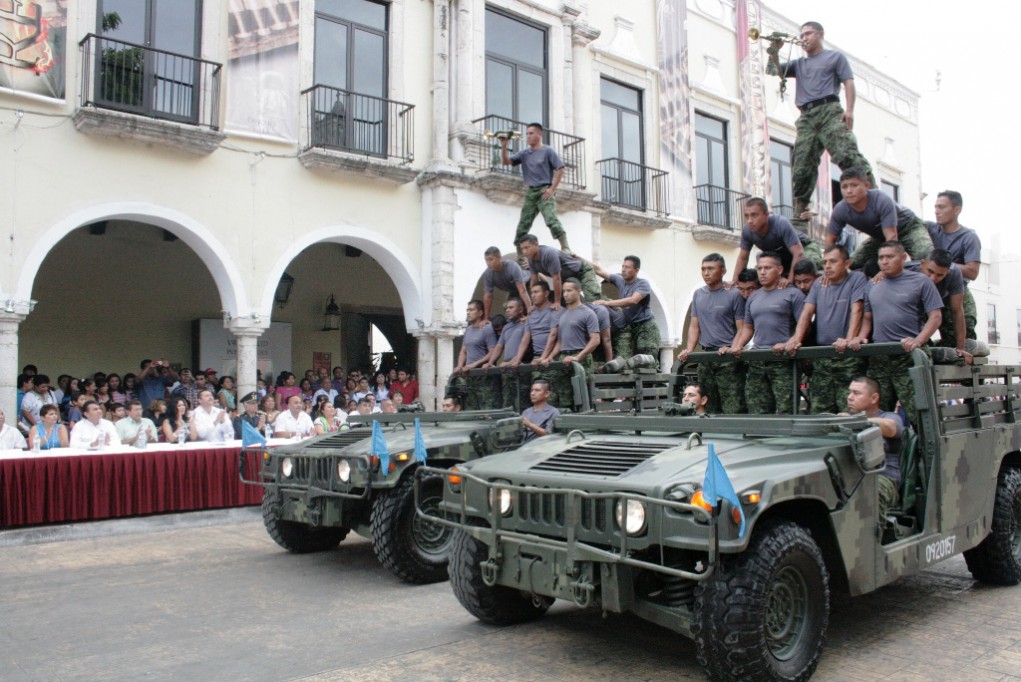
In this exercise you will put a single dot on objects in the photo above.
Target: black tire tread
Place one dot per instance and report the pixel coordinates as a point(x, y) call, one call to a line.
point(297, 538)
point(392, 510)
point(993, 561)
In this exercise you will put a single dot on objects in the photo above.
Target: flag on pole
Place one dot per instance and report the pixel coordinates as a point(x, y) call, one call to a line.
point(379, 448)
point(717, 486)
point(250, 435)
point(420, 453)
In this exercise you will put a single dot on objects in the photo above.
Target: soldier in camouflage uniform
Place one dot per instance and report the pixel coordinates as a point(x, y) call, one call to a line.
point(772, 232)
point(956, 329)
point(479, 341)
point(635, 295)
point(965, 249)
point(823, 124)
point(514, 386)
point(577, 337)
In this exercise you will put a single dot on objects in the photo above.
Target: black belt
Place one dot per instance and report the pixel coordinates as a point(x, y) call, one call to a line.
point(818, 103)
point(710, 349)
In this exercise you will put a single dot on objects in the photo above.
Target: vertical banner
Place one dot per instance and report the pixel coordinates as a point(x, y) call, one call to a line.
point(675, 103)
point(754, 126)
point(262, 84)
point(33, 46)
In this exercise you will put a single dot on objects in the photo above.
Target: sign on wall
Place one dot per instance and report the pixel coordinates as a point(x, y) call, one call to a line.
point(218, 348)
point(33, 38)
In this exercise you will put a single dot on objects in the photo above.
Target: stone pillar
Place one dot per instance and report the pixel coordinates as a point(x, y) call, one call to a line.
point(581, 35)
point(425, 370)
point(444, 363)
point(9, 367)
point(463, 75)
point(247, 332)
point(441, 84)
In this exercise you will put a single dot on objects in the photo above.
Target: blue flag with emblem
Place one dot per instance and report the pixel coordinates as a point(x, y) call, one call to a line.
point(717, 486)
point(379, 448)
point(420, 453)
point(250, 435)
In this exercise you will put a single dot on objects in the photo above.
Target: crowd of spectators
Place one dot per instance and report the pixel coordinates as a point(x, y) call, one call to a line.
point(162, 404)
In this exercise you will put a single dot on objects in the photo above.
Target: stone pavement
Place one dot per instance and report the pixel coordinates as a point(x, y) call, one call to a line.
point(222, 602)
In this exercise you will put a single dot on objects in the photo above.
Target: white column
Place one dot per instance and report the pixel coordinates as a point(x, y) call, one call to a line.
point(247, 332)
point(425, 369)
point(463, 75)
point(9, 367)
point(444, 363)
point(441, 84)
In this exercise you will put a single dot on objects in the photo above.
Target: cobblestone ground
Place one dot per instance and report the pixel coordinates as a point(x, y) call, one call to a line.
point(225, 603)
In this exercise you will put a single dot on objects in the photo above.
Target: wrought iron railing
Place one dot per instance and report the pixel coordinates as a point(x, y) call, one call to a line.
point(142, 80)
point(363, 124)
point(632, 185)
point(484, 151)
point(784, 210)
point(719, 206)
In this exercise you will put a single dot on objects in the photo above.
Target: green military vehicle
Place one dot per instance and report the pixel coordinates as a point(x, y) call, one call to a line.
point(608, 512)
point(320, 489)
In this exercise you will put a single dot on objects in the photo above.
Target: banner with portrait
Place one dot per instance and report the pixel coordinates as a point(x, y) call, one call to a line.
point(33, 47)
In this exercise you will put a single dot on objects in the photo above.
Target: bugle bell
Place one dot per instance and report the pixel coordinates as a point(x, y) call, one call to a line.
point(775, 36)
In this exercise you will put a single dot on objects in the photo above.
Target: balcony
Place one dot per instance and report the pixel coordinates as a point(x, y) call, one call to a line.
point(359, 134)
point(784, 210)
point(639, 190)
point(139, 93)
point(720, 213)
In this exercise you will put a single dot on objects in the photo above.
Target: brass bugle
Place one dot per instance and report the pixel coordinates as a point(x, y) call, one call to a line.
point(755, 34)
point(503, 134)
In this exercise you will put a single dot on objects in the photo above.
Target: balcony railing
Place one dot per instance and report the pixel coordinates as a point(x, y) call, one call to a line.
point(632, 185)
point(142, 80)
point(362, 124)
point(784, 210)
point(719, 206)
point(484, 151)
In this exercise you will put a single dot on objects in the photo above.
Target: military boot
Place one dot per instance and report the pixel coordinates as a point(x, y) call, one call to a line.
point(563, 244)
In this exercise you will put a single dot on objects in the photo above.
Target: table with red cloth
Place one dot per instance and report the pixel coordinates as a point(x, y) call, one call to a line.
point(66, 484)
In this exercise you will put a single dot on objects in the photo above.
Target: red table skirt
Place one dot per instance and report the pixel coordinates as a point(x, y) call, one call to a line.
point(103, 486)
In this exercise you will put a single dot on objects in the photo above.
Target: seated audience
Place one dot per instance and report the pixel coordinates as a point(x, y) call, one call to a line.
point(93, 431)
point(176, 421)
point(294, 421)
point(135, 429)
point(209, 422)
point(49, 431)
point(10, 437)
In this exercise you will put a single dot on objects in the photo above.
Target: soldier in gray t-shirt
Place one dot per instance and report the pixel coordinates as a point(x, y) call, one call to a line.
point(537, 419)
point(577, 336)
point(559, 266)
point(640, 333)
point(542, 170)
point(504, 274)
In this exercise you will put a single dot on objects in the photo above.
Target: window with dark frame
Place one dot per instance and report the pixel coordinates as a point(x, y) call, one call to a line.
point(716, 203)
point(889, 189)
point(623, 145)
point(516, 68)
point(1019, 327)
point(781, 160)
point(994, 336)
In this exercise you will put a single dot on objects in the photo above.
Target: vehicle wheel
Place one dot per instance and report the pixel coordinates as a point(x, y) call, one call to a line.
point(763, 615)
point(997, 560)
point(412, 548)
point(495, 605)
point(295, 537)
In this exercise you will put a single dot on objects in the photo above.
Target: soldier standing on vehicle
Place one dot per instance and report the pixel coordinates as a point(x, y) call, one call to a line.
point(515, 388)
point(770, 317)
point(838, 308)
point(965, 250)
point(540, 335)
point(479, 340)
point(537, 419)
point(717, 315)
point(504, 274)
point(954, 331)
point(864, 397)
point(747, 282)
point(892, 308)
point(559, 266)
point(640, 334)
point(577, 336)
point(773, 233)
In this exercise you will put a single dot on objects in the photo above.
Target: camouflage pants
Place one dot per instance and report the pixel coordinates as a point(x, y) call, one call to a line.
point(891, 373)
point(559, 375)
point(535, 204)
point(516, 389)
point(813, 252)
point(888, 496)
point(638, 338)
point(818, 129)
point(914, 237)
point(831, 378)
point(768, 388)
point(590, 285)
point(947, 334)
point(483, 393)
point(723, 383)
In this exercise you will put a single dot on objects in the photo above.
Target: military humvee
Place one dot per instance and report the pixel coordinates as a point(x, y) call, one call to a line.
point(608, 512)
point(320, 489)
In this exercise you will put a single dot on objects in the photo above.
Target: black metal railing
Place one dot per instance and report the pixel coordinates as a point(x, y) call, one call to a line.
point(142, 80)
point(994, 336)
point(784, 210)
point(484, 150)
point(719, 206)
point(363, 124)
point(632, 185)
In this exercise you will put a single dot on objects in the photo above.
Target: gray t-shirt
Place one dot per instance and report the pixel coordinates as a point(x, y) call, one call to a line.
point(891, 446)
point(541, 418)
point(507, 279)
point(900, 306)
point(602, 315)
point(554, 261)
point(574, 327)
point(537, 165)
point(880, 211)
point(717, 312)
point(818, 76)
point(833, 306)
point(478, 342)
point(510, 338)
point(774, 314)
point(951, 285)
point(638, 312)
point(964, 245)
point(780, 237)
point(539, 322)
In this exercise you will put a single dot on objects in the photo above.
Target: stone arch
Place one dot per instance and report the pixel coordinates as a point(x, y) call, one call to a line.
point(390, 257)
point(206, 246)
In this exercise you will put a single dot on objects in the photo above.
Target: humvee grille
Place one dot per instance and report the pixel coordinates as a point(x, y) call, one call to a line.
point(340, 439)
point(601, 458)
point(315, 470)
point(549, 510)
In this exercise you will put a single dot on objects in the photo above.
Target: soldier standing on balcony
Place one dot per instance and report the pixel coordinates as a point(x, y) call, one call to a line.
point(542, 170)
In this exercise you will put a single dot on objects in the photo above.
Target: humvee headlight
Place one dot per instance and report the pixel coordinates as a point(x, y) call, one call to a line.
point(344, 470)
point(631, 516)
point(287, 467)
point(500, 497)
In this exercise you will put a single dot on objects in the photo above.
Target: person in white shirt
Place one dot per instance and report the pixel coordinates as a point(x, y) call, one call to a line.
point(327, 391)
point(130, 428)
point(93, 431)
point(293, 421)
point(35, 399)
point(10, 437)
point(209, 422)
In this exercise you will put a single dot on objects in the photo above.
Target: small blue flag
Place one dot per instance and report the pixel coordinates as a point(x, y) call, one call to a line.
point(250, 435)
point(420, 453)
point(379, 448)
point(717, 486)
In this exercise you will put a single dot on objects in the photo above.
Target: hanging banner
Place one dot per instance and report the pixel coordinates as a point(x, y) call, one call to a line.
point(33, 43)
point(675, 103)
point(754, 126)
point(262, 88)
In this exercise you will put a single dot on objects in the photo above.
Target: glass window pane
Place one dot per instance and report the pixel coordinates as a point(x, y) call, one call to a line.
point(371, 14)
point(611, 133)
point(701, 161)
point(175, 26)
point(499, 89)
point(631, 137)
point(776, 182)
point(515, 40)
point(530, 96)
point(132, 28)
point(709, 126)
point(369, 60)
point(618, 94)
point(331, 54)
point(780, 151)
point(717, 165)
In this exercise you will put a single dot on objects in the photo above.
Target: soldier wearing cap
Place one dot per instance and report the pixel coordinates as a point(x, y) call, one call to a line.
point(251, 414)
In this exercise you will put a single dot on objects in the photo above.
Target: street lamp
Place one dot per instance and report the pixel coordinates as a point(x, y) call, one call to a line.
point(331, 316)
point(283, 292)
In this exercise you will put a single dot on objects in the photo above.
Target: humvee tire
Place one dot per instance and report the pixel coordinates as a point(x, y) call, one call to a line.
point(997, 560)
point(412, 548)
point(763, 615)
point(297, 538)
point(495, 605)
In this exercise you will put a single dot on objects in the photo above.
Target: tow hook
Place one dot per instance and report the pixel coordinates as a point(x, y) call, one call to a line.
point(490, 569)
point(582, 591)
